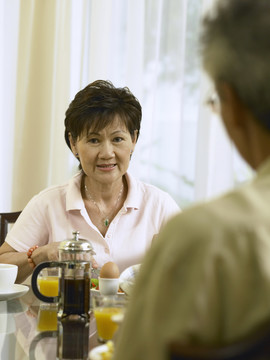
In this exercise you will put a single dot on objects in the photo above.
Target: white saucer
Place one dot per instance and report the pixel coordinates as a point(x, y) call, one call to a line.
point(127, 278)
point(95, 354)
point(16, 291)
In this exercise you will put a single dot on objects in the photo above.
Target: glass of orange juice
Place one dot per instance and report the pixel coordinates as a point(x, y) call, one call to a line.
point(47, 317)
point(48, 281)
point(106, 308)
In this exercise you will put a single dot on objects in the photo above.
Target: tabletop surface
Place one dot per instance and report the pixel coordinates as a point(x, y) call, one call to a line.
point(24, 335)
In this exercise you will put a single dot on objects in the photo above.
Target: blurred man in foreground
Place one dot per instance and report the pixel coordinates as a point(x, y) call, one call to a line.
point(207, 277)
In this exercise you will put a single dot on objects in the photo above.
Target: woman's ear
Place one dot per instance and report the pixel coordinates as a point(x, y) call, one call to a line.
point(134, 141)
point(72, 144)
point(135, 136)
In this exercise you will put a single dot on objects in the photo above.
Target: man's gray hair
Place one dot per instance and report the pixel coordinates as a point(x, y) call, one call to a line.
point(235, 47)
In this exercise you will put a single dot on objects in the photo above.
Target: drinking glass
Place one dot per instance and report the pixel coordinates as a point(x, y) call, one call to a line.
point(107, 310)
point(48, 281)
point(47, 317)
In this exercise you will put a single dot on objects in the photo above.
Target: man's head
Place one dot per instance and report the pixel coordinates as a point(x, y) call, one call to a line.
point(235, 45)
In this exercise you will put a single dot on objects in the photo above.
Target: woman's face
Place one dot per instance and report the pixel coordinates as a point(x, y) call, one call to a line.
point(105, 155)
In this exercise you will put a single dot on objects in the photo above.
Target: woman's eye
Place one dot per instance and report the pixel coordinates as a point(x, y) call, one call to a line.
point(93, 141)
point(118, 139)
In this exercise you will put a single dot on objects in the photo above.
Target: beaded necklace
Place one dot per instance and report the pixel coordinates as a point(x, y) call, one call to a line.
point(106, 218)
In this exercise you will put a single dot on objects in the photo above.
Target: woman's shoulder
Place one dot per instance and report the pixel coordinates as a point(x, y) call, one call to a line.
point(149, 193)
point(58, 191)
point(146, 187)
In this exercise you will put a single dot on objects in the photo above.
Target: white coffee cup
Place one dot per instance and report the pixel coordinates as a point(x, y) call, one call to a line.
point(108, 286)
point(8, 275)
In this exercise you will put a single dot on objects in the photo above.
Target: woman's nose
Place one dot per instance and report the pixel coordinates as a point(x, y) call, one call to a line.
point(106, 150)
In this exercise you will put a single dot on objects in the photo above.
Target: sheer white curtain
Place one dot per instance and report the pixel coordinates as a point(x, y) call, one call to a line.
point(53, 48)
point(35, 56)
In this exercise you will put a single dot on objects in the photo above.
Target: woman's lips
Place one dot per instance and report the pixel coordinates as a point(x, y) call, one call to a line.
point(106, 167)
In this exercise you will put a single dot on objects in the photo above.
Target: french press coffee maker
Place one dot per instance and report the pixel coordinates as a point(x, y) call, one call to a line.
point(74, 277)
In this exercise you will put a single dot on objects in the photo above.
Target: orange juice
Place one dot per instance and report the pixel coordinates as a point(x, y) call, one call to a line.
point(47, 320)
point(105, 326)
point(48, 286)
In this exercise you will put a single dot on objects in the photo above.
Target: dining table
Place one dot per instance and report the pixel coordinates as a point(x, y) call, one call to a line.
point(23, 336)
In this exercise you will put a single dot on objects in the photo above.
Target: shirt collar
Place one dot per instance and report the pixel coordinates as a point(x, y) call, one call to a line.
point(74, 200)
point(134, 195)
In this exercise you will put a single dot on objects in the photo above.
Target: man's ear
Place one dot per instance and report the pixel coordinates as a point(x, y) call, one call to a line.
point(233, 110)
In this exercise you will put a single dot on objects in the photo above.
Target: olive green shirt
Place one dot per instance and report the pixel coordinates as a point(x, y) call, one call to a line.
point(207, 276)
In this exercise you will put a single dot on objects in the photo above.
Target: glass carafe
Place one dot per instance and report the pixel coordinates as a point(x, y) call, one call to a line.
point(74, 277)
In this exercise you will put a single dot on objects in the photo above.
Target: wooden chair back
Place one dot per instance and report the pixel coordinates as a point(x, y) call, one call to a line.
point(5, 220)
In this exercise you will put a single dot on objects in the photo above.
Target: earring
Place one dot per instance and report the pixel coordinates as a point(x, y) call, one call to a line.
point(76, 154)
point(131, 154)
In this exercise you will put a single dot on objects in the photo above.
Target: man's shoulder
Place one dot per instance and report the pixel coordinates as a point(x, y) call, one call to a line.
point(223, 213)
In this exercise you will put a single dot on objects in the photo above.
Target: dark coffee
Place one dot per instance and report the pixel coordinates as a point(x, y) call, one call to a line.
point(73, 339)
point(76, 295)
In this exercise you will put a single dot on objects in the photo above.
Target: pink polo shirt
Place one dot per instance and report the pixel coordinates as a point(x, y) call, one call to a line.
point(56, 212)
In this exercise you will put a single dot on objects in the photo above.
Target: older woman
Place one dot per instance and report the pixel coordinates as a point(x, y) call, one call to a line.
point(117, 213)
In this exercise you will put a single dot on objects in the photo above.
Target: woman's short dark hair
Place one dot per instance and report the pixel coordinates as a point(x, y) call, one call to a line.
point(97, 105)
